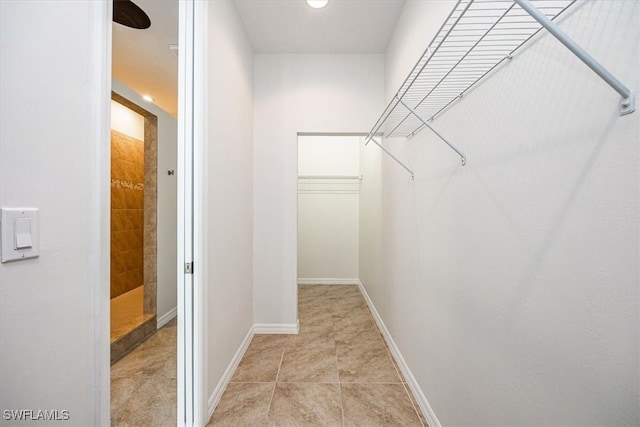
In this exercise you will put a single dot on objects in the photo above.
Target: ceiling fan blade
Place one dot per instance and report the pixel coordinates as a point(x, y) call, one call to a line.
point(127, 13)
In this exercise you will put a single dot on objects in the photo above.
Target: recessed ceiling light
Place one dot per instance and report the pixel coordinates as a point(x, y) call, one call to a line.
point(147, 98)
point(317, 4)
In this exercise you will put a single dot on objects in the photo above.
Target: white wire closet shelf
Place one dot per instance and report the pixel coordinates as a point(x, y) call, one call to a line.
point(477, 37)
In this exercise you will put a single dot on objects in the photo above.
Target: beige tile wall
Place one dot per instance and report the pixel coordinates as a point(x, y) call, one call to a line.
point(127, 213)
point(150, 213)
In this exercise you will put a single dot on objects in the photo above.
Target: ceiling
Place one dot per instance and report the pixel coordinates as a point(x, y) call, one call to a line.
point(343, 26)
point(142, 59)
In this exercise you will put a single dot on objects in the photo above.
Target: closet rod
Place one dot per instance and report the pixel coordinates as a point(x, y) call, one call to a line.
point(627, 103)
point(330, 177)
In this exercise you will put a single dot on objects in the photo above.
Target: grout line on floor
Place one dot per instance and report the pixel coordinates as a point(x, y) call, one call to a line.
point(393, 362)
point(250, 382)
point(341, 404)
point(368, 382)
point(403, 382)
point(411, 399)
point(320, 382)
point(339, 386)
point(275, 384)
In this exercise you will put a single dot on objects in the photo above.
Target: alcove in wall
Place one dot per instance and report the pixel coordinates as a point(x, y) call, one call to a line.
point(133, 225)
point(328, 209)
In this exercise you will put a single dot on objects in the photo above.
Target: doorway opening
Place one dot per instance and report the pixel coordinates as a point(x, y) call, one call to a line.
point(328, 209)
point(144, 221)
point(134, 205)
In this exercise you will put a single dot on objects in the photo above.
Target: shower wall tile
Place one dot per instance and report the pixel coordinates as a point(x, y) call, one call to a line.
point(136, 218)
point(117, 264)
point(116, 149)
point(117, 168)
point(118, 284)
point(134, 199)
point(118, 220)
point(132, 259)
point(117, 198)
point(126, 219)
point(132, 152)
point(134, 276)
point(135, 172)
point(126, 240)
point(127, 213)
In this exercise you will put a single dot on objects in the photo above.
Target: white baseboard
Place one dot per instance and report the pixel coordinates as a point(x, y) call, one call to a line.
point(214, 399)
point(425, 407)
point(328, 281)
point(276, 328)
point(167, 317)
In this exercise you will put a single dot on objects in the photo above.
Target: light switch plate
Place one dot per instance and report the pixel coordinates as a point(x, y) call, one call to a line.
point(19, 227)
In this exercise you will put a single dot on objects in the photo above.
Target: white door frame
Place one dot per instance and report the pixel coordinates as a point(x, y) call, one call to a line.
point(191, 131)
point(185, 214)
point(191, 368)
point(101, 237)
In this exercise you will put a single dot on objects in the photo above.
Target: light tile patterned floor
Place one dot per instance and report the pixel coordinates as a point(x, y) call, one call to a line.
point(336, 372)
point(143, 383)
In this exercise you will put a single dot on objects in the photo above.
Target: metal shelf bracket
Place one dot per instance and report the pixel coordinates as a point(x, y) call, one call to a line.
point(628, 101)
point(371, 138)
point(424, 122)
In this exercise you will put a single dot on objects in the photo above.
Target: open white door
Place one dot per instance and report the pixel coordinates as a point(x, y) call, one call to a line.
point(185, 214)
point(191, 402)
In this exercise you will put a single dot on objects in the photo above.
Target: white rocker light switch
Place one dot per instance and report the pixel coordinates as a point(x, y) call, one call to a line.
point(20, 239)
point(22, 229)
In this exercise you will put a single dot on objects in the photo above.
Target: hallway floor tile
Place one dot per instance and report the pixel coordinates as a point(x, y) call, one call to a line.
point(143, 383)
point(336, 372)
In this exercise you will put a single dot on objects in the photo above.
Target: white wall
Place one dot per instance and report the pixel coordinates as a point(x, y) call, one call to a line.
point(328, 208)
point(511, 284)
point(228, 205)
point(167, 225)
point(293, 94)
point(54, 156)
point(371, 264)
point(126, 121)
point(329, 155)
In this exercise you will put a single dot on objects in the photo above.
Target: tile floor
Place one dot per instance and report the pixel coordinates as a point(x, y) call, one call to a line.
point(143, 383)
point(336, 372)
